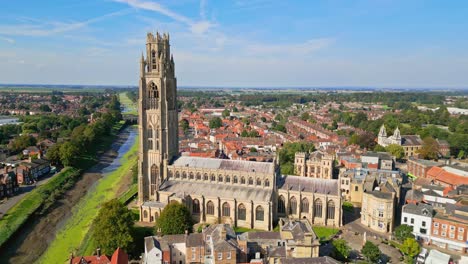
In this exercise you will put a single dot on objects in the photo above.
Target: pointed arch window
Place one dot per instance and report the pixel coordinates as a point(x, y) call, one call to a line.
point(259, 182)
point(250, 181)
point(210, 208)
point(228, 179)
point(293, 206)
point(220, 178)
point(153, 91)
point(234, 179)
point(318, 208)
point(281, 205)
point(242, 180)
point(259, 213)
point(153, 59)
point(305, 206)
point(205, 176)
point(191, 175)
point(331, 209)
point(226, 209)
point(241, 212)
point(195, 206)
point(198, 177)
point(267, 183)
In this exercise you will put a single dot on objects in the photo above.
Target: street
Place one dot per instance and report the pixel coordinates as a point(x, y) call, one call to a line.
point(6, 204)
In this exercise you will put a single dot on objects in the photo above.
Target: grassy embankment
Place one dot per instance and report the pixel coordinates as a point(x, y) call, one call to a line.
point(73, 234)
point(38, 200)
point(129, 104)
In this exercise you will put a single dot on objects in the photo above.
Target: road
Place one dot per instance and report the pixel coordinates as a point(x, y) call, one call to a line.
point(5, 205)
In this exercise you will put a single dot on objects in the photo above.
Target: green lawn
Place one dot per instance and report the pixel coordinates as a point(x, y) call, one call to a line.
point(129, 104)
point(73, 234)
point(324, 233)
point(240, 230)
point(39, 198)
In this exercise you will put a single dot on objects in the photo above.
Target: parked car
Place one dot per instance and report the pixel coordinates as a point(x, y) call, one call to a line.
point(421, 258)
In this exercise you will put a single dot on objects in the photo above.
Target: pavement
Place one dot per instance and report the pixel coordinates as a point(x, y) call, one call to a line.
point(353, 233)
point(9, 202)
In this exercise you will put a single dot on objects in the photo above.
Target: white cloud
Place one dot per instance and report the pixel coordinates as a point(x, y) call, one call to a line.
point(51, 28)
point(196, 27)
point(9, 40)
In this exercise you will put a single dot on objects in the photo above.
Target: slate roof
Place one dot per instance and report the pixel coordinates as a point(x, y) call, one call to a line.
point(418, 209)
point(224, 164)
point(381, 195)
point(316, 185)
point(229, 191)
point(195, 240)
point(411, 140)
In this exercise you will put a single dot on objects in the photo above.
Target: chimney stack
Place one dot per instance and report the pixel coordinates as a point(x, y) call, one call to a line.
point(98, 252)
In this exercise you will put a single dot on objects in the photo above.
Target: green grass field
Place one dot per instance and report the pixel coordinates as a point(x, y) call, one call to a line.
point(43, 195)
point(325, 233)
point(129, 104)
point(73, 234)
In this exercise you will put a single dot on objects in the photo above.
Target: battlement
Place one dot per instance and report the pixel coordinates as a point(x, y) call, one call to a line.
point(150, 38)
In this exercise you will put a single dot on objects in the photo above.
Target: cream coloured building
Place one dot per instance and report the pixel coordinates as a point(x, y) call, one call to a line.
point(242, 193)
point(317, 164)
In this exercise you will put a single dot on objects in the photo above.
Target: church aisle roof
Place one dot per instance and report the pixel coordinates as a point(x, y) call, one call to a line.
point(315, 185)
point(227, 191)
point(224, 164)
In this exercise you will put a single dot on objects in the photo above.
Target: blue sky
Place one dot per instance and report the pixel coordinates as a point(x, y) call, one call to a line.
point(372, 43)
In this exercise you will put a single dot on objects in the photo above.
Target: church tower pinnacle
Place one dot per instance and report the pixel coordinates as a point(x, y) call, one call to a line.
point(158, 120)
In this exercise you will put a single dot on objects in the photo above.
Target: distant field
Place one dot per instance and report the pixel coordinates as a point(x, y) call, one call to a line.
point(47, 89)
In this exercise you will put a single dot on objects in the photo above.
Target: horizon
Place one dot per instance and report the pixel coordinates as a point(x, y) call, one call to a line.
point(381, 44)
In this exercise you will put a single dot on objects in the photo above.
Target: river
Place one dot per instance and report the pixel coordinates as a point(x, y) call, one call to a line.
point(30, 242)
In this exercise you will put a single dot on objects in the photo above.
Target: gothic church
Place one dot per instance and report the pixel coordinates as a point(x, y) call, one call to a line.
point(242, 193)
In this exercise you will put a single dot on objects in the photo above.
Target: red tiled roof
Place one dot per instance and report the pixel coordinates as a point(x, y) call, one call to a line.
point(119, 257)
point(443, 176)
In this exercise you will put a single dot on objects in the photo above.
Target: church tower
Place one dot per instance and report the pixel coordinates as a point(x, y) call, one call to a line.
point(382, 137)
point(158, 121)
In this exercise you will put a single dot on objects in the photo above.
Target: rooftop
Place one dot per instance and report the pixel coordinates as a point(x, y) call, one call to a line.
point(224, 164)
point(228, 191)
point(315, 185)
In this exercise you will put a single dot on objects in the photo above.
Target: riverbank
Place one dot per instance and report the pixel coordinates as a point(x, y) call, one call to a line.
point(75, 229)
point(39, 231)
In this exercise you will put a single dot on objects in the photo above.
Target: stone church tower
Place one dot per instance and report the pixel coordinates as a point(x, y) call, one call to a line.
point(158, 121)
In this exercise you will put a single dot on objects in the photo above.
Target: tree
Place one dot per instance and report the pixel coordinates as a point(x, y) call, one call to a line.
point(341, 249)
point(216, 123)
point(371, 252)
point(68, 153)
point(379, 148)
point(45, 108)
point(263, 119)
point(305, 116)
point(184, 124)
point(226, 113)
point(430, 148)
point(396, 150)
point(288, 152)
point(410, 247)
point(113, 227)
point(403, 232)
point(252, 149)
point(53, 154)
point(174, 219)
